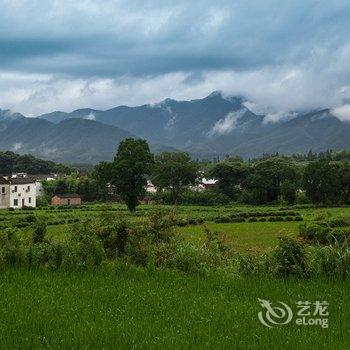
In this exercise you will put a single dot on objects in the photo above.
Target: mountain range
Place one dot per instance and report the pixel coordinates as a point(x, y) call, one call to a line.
point(213, 126)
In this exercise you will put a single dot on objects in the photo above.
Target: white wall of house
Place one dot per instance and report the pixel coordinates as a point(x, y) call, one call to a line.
point(22, 195)
point(4, 196)
point(39, 189)
point(150, 188)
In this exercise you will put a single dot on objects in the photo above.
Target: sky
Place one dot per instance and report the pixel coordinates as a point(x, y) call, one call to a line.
point(282, 56)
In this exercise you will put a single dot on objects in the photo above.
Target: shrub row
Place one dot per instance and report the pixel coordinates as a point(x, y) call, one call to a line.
point(265, 214)
point(230, 219)
point(327, 232)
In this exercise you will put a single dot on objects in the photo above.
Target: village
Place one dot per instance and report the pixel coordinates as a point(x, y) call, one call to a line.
point(21, 190)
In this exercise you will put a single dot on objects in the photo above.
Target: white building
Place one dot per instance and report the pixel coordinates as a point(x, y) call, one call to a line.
point(17, 192)
point(150, 188)
point(204, 184)
point(38, 179)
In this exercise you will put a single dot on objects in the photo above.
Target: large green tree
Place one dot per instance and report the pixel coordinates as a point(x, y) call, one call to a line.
point(231, 175)
point(272, 178)
point(344, 175)
point(132, 163)
point(174, 171)
point(322, 182)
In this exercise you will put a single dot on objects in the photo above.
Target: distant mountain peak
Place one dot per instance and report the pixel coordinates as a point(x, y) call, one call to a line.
point(89, 135)
point(216, 93)
point(8, 114)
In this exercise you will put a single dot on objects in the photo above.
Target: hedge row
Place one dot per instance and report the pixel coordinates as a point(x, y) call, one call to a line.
point(230, 219)
point(336, 230)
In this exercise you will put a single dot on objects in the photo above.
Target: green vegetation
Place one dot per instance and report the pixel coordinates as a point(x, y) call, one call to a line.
point(12, 163)
point(99, 276)
point(185, 276)
point(322, 179)
point(174, 171)
point(121, 307)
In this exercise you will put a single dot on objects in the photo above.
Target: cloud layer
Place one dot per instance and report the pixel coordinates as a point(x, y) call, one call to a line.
point(64, 54)
point(227, 124)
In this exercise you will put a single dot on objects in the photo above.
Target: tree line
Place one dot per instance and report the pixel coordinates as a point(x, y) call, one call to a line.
point(11, 162)
point(268, 180)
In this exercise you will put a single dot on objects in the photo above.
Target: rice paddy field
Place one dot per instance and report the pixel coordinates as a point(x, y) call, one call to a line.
point(247, 237)
point(121, 306)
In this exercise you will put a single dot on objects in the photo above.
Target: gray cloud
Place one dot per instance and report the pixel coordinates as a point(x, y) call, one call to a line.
point(227, 124)
point(64, 54)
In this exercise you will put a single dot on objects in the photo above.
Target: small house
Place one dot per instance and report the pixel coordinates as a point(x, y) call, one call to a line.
point(150, 188)
point(17, 192)
point(66, 199)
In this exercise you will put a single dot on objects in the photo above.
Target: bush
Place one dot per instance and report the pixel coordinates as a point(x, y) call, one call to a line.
point(238, 220)
point(249, 265)
point(160, 225)
point(314, 232)
point(339, 222)
point(182, 222)
point(27, 208)
point(39, 231)
point(252, 219)
point(39, 254)
point(84, 248)
point(12, 251)
point(302, 198)
point(207, 197)
point(289, 258)
point(41, 202)
point(114, 238)
point(333, 261)
point(222, 219)
point(339, 235)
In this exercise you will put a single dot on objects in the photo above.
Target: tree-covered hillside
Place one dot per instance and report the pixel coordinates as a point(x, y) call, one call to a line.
point(11, 163)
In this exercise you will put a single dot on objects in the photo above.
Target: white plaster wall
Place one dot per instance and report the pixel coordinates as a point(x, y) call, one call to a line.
point(23, 194)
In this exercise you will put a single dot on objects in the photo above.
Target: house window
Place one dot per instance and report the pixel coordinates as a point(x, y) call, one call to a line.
point(3, 190)
point(15, 189)
point(29, 200)
point(15, 202)
point(28, 188)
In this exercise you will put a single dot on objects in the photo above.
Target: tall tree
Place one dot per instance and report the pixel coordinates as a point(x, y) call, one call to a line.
point(343, 171)
point(132, 163)
point(322, 182)
point(174, 171)
point(231, 175)
point(268, 177)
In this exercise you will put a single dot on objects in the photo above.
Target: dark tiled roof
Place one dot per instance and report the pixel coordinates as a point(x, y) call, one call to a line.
point(22, 181)
point(43, 176)
point(68, 195)
point(3, 181)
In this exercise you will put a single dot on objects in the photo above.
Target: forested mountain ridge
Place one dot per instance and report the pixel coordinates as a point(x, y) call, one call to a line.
point(212, 126)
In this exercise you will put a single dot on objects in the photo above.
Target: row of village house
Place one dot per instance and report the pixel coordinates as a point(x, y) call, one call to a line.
point(21, 190)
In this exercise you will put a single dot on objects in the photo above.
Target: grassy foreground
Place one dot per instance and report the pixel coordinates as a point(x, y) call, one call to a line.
point(119, 307)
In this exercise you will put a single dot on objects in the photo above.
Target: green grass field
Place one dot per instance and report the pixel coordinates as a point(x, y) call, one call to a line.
point(248, 238)
point(148, 309)
point(116, 306)
point(251, 237)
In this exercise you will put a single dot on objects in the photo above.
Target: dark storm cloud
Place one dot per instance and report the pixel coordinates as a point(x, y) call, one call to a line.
point(286, 54)
point(113, 38)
